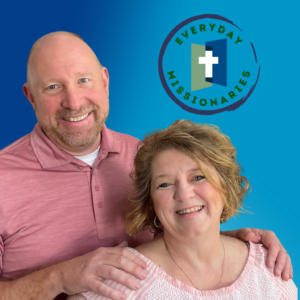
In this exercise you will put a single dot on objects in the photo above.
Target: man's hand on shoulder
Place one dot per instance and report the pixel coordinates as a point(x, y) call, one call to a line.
point(83, 273)
point(86, 273)
point(276, 253)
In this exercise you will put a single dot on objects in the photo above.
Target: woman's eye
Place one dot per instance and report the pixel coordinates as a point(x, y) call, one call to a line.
point(198, 178)
point(83, 80)
point(164, 185)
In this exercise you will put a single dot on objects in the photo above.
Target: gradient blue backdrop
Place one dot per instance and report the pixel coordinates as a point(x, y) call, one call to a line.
point(127, 37)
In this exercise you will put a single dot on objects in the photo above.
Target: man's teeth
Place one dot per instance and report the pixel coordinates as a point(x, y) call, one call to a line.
point(76, 119)
point(186, 211)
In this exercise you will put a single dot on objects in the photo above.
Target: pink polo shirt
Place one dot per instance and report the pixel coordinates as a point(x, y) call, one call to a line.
point(54, 207)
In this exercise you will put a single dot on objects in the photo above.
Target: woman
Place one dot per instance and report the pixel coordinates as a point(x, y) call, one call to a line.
point(188, 182)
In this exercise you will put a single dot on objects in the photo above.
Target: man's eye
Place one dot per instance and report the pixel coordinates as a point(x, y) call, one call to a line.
point(198, 178)
point(83, 80)
point(52, 86)
point(164, 185)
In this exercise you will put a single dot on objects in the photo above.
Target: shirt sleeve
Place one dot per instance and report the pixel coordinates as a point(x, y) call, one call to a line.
point(289, 291)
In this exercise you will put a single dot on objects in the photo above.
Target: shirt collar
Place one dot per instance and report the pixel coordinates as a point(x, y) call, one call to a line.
point(51, 156)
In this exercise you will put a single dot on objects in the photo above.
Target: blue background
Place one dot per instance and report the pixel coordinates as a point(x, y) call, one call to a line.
point(127, 37)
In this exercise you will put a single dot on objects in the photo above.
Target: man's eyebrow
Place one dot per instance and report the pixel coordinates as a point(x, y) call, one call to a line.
point(82, 74)
point(47, 80)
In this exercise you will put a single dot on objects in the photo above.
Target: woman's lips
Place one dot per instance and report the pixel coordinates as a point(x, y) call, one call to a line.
point(190, 210)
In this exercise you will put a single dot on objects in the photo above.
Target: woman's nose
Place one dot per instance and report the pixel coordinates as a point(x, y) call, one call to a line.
point(184, 191)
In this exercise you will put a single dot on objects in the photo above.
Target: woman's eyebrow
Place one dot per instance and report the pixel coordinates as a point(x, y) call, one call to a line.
point(166, 175)
point(160, 176)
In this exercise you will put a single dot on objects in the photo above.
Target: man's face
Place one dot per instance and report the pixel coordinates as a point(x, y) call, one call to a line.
point(69, 93)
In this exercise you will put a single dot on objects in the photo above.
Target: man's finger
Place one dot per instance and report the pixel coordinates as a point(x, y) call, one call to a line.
point(280, 262)
point(271, 256)
point(248, 234)
point(124, 256)
point(285, 274)
point(123, 244)
point(131, 265)
point(119, 276)
point(102, 289)
point(291, 272)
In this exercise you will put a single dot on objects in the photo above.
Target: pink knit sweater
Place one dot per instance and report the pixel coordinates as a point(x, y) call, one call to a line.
point(256, 282)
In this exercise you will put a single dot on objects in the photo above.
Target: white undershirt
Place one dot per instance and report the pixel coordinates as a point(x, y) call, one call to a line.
point(89, 158)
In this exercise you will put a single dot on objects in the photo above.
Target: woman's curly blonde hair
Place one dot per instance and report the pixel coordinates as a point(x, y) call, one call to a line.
point(206, 145)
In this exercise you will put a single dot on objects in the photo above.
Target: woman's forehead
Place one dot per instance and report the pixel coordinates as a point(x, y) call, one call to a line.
point(172, 160)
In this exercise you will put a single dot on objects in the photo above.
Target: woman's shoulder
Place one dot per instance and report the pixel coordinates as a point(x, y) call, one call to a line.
point(267, 279)
point(236, 257)
point(252, 274)
point(154, 250)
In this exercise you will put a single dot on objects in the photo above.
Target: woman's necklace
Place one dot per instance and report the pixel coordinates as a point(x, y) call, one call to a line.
point(168, 250)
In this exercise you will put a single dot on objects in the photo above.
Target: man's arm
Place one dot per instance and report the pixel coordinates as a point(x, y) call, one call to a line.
point(84, 273)
point(276, 255)
point(37, 285)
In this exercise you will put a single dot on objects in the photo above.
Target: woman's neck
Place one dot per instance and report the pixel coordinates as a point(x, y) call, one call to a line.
point(204, 251)
point(200, 261)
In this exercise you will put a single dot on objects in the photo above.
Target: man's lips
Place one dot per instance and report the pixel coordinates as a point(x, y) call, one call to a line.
point(76, 119)
point(190, 210)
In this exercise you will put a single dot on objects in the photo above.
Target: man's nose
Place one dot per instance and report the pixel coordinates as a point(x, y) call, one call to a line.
point(184, 191)
point(72, 99)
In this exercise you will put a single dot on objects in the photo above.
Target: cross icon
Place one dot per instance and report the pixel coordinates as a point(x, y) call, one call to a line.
point(208, 61)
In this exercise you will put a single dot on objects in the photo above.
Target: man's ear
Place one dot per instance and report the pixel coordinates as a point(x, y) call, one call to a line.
point(28, 95)
point(105, 79)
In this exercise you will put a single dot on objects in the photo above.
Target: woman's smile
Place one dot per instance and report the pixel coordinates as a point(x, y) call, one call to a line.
point(185, 201)
point(190, 210)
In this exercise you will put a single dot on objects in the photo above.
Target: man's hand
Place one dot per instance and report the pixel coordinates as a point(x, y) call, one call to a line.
point(83, 273)
point(86, 273)
point(276, 254)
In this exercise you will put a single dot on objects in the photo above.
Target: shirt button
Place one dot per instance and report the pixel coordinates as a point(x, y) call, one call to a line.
point(97, 187)
point(100, 204)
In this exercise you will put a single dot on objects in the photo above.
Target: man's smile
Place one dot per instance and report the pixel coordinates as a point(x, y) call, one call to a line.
point(77, 118)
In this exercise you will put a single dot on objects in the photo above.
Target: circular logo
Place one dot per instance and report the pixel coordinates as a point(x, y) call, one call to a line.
point(207, 65)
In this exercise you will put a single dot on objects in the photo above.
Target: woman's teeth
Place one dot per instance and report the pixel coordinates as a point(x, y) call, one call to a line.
point(189, 210)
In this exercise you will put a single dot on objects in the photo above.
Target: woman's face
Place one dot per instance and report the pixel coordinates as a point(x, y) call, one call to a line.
point(185, 202)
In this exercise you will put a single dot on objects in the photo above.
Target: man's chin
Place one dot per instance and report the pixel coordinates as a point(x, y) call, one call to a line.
point(73, 140)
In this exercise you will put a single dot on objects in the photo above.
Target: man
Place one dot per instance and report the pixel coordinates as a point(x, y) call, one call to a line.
point(64, 186)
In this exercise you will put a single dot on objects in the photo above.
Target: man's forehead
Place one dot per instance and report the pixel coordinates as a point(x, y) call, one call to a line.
point(59, 46)
point(48, 59)
point(63, 57)
point(63, 52)
point(56, 38)
point(61, 49)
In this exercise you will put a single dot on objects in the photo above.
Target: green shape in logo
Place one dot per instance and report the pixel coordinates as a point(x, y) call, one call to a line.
point(198, 71)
